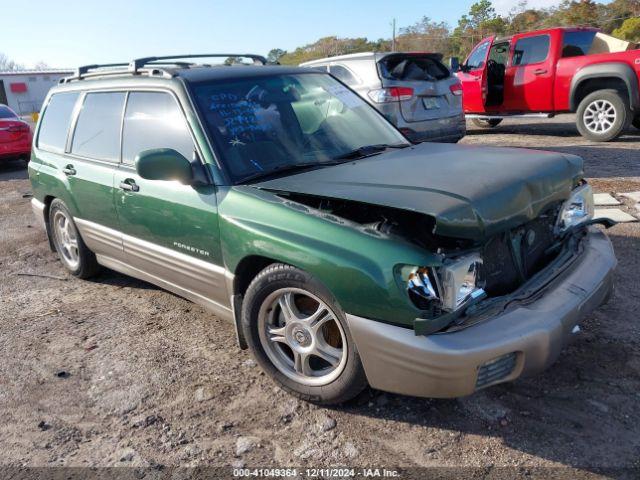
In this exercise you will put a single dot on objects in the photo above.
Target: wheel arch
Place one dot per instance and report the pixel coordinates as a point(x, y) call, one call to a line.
point(246, 270)
point(613, 75)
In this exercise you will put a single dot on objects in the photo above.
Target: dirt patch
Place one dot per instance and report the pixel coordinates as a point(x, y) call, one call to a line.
point(115, 372)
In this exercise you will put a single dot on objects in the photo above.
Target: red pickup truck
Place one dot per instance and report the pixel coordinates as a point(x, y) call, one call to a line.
point(552, 71)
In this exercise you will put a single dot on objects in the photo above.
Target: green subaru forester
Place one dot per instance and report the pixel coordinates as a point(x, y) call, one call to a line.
point(344, 255)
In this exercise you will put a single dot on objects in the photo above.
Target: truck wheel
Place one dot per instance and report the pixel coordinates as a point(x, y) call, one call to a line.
point(603, 115)
point(482, 123)
point(299, 336)
point(74, 254)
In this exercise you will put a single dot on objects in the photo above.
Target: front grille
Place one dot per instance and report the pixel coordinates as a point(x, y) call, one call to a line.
point(512, 257)
point(496, 369)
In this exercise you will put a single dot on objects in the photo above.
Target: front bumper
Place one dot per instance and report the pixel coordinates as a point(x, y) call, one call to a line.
point(524, 340)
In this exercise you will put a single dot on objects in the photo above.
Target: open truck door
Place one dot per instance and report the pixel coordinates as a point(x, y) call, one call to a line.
point(473, 75)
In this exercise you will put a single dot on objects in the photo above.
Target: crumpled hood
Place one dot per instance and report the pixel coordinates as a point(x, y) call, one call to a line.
point(471, 192)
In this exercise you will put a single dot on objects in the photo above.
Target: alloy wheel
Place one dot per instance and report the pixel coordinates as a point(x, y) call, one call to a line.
point(302, 337)
point(67, 239)
point(599, 116)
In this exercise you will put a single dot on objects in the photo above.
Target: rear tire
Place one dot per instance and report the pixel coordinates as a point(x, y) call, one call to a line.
point(491, 123)
point(299, 336)
point(74, 254)
point(603, 115)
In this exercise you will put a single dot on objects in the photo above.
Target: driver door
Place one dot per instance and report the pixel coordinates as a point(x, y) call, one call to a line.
point(170, 230)
point(474, 77)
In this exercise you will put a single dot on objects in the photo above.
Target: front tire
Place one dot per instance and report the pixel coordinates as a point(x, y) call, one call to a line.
point(490, 123)
point(299, 336)
point(74, 254)
point(603, 115)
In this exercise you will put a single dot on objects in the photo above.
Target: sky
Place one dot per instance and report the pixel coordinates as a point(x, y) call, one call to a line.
point(76, 32)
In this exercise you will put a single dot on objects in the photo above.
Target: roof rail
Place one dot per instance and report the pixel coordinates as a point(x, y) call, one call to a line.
point(135, 65)
point(138, 63)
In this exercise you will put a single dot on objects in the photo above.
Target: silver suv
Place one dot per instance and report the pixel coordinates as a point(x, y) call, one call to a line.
point(415, 91)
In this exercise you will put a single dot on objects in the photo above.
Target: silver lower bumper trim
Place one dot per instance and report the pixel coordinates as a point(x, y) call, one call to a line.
point(38, 210)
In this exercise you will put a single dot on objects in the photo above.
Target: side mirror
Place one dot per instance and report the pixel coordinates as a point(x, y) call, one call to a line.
point(164, 164)
point(454, 64)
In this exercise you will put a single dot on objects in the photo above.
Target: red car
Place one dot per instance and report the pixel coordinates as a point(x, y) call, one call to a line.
point(15, 136)
point(552, 71)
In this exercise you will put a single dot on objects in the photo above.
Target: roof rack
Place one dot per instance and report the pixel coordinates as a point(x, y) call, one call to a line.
point(136, 66)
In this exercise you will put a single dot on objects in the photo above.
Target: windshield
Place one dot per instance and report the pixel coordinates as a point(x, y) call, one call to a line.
point(277, 123)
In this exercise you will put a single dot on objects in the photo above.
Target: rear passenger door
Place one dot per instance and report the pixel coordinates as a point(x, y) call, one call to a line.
point(170, 230)
point(88, 166)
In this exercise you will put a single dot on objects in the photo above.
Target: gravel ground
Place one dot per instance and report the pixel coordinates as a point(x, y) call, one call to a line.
point(116, 372)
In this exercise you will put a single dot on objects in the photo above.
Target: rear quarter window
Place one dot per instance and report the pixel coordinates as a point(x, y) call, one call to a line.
point(55, 122)
point(576, 44)
point(97, 133)
point(343, 74)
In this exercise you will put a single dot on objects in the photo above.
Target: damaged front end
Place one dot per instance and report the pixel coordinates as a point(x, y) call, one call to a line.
point(507, 269)
point(474, 280)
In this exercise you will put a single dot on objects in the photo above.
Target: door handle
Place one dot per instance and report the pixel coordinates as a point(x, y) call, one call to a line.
point(129, 185)
point(539, 71)
point(69, 170)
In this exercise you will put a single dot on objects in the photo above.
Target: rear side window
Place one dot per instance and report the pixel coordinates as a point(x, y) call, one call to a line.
point(55, 122)
point(412, 68)
point(343, 74)
point(531, 50)
point(97, 133)
point(6, 112)
point(576, 44)
point(154, 120)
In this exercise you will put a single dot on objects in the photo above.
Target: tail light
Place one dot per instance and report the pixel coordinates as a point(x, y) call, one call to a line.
point(391, 94)
point(22, 128)
point(456, 89)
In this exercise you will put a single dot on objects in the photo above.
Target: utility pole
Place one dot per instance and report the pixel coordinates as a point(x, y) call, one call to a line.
point(393, 36)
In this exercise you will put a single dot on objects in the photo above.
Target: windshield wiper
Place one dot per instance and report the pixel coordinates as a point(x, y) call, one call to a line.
point(277, 171)
point(368, 150)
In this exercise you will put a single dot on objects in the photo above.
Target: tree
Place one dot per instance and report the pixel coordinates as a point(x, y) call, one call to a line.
point(613, 14)
point(574, 13)
point(327, 47)
point(275, 54)
point(424, 35)
point(481, 21)
point(6, 64)
point(41, 65)
point(629, 30)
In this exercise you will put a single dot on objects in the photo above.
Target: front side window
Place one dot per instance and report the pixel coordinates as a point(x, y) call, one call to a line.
point(54, 125)
point(477, 58)
point(531, 50)
point(97, 133)
point(265, 124)
point(154, 120)
point(576, 44)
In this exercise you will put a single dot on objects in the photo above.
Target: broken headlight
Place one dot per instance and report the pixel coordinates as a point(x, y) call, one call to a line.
point(448, 287)
point(460, 281)
point(578, 209)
